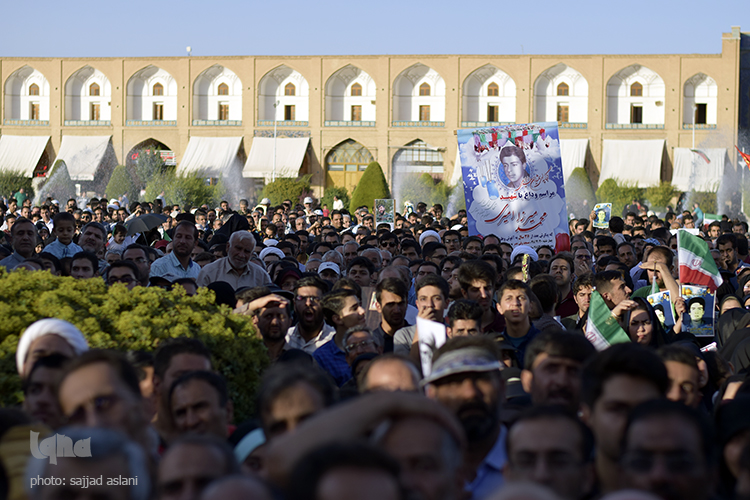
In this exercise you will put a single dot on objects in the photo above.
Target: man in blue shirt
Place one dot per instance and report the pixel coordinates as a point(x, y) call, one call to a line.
point(178, 264)
point(342, 310)
point(466, 378)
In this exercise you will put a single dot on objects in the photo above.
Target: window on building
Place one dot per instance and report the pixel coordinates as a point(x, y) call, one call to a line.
point(34, 113)
point(158, 111)
point(424, 89)
point(223, 89)
point(94, 89)
point(356, 89)
point(289, 112)
point(562, 113)
point(493, 91)
point(350, 156)
point(33, 89)
point(290, 89)
point(356, 113)
point(563, 89)
point(95, 112)
point(158, 89)
point(493, 113)
point(223, 111)
point(636, 113)
point(636, 90)
point(424, 113)
point(701, 113)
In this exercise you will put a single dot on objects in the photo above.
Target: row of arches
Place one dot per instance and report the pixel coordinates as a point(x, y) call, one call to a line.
point(635, 95)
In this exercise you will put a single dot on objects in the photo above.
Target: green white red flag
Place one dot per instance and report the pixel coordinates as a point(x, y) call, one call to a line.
point(744, 156)
point(697, 266)
point(602, 329)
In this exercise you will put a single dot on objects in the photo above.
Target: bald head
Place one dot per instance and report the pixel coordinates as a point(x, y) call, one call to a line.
point(389, 373)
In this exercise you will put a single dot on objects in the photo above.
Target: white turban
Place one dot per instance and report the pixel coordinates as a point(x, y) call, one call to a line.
point(49, 326)
point(521, 249)
point(271, 250)
point(426, 234)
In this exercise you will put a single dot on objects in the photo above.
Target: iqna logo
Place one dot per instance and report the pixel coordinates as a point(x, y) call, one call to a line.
point(58, 445)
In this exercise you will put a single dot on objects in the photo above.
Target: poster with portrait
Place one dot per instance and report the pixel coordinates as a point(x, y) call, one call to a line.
point(700, 308)
point(513, 182)
point(432, 335)
point(385, 212)
point(602, 214)
point(663, 308)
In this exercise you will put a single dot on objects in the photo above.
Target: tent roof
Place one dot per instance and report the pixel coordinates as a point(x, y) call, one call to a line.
point(83, 155)
point(20, 153)
point(211, 156)
point(633, 161)
point(290, 152)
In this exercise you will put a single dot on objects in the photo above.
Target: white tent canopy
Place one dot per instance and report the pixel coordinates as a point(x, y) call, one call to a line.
point(707, 175)
point(290, 152)
point(83, 155)
point(457, 176)
point(211, 156)
point(573, 152)
point(21, 153)
point(632, 161)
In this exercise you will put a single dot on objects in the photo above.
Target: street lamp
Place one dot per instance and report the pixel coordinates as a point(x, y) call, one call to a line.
point(274, 140)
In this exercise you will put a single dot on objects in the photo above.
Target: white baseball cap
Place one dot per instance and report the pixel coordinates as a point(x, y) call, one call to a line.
point(308, 200)
point(329, 265)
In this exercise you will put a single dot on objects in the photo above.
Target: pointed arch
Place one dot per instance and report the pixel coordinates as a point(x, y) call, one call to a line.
point(27, 96)
point(349, 97)
point(210, 104)
point(489, 96)
point(410, 103)
point(152, 96)
point(700, 96)
point(88, 96)
point(273, 88)
point(626, 108)
point(561, 94)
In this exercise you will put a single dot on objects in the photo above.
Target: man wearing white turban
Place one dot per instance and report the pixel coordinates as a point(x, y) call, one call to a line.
point(45, 337)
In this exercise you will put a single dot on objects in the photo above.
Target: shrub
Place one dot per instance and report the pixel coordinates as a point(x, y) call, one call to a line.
point(184, 190)
point(115, 318)
point(662, 195)
point(619, 196)
point(372, 186)
point(577, 190)
point(58, 185)
point(121, 183)
point(705, 200)
point(286, 188)
point(340, 192)
point(10, 182)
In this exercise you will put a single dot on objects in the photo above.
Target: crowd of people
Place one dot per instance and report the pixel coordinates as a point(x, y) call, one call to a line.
point(516, 404)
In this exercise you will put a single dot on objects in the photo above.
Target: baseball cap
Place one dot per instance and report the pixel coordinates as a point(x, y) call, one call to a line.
point(308, 200)
point(465, 360)
point(318, 212)
point(329, 265)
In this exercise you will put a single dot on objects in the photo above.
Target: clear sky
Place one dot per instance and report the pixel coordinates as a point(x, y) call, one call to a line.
point(77, 28)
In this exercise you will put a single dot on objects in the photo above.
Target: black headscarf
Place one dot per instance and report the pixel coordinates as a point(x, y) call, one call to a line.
point(729, 322)
point(224, 293)
point(658, 335)
point(741, 357)
point(730, 346)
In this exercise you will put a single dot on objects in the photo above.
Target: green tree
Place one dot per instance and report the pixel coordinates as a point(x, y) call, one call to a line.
point(184, 190)
point(148, 164)
point(705, 200)
point(610, 191)
point(121, 183)
point(372, 186)
point(340, 192)
point(286, 188)
point(416, 188)
point(577, 189)
point(10, 182)
point(660, 196)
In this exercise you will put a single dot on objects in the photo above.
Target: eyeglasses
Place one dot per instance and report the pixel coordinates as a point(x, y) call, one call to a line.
point(358, 345)
point(303, 299)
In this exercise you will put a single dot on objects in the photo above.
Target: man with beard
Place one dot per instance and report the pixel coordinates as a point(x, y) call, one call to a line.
point(477, 279)
point(270, 315)
point(561, 268)
point(23, 238)
point(138, 255)
point(391, 297)
point(178, 264)
point(92, 239)
point(311, 330)
point(466, 379)
point(236, 268)
point(553, 369)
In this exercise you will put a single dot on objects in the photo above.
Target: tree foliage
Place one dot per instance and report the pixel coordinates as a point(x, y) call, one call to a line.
point(340, 192)
point(184, 190)
point(121, 183)
point(148, 165)
point(660, 196)
point(286, 188)
point(577, 190)
point(372, 186)
point(115, 318)
point(10, 182)
point(610, 191)
point(705, 200)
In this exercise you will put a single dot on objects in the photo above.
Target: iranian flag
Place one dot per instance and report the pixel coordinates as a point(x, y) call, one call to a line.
point(697, 266)
point(602, 329)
